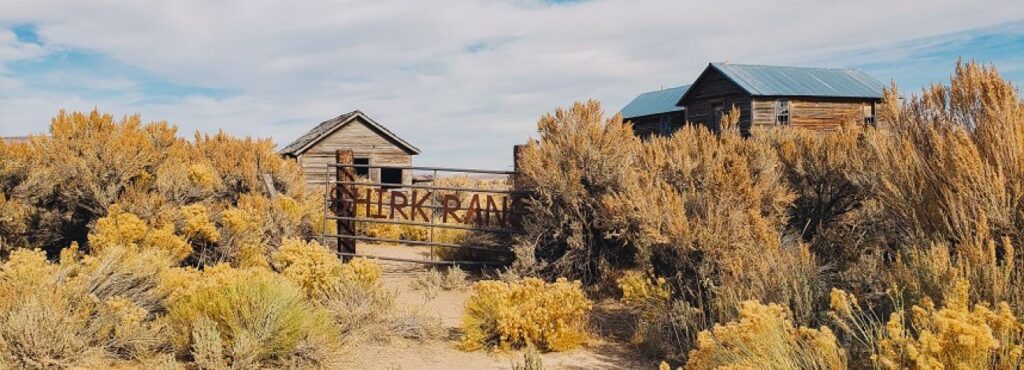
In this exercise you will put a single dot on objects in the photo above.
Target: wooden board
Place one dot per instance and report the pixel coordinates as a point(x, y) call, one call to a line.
point(812, 113)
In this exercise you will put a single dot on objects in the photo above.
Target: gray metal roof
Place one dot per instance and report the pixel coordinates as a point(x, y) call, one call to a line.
point(760, 80)
point(327, 127)
point(655, 102)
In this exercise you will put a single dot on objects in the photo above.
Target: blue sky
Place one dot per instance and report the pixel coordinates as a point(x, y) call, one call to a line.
point(463, 80)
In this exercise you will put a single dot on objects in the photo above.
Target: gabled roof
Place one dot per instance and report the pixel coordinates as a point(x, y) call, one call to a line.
point(328, 127)
point(655, 102)
point(760, 80)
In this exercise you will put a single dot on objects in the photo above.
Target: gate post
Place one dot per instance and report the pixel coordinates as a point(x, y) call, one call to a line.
point(519, 185)
point(345, 202)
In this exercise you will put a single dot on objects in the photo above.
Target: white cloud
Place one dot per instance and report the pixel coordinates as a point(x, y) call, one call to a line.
point(462, 79)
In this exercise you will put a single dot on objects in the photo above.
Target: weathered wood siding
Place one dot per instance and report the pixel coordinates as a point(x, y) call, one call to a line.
point(364, 143)
point(813, 113)
point(702, 111)
point(763, 112)
point(712, 89)
point(652, 125)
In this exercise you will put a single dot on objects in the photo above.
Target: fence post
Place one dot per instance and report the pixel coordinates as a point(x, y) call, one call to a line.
point(345, 202)
point(519, 184)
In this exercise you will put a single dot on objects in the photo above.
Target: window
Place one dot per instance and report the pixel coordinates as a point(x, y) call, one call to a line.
point(869, 113)
point(782, 112)
point(362, 172)
point(391, 176)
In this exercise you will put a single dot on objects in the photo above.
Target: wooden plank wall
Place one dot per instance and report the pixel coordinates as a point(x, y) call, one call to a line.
point(712, 88)
point(648, 126)
point(702, 111)
point(817, 114)
point(364, 143)
point(764, 112)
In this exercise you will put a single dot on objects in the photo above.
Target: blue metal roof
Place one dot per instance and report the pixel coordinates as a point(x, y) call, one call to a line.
point(655, 102)
point(759, 80)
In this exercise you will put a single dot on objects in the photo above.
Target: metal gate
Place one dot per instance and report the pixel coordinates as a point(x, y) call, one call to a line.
point(424, 204)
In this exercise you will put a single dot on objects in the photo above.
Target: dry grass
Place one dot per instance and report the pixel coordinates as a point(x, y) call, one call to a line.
point(453, 278)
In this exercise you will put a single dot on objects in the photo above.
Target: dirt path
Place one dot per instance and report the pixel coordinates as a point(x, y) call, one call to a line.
point(443, 354)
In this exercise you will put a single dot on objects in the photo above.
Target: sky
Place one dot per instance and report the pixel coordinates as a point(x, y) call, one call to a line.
point(463, 80)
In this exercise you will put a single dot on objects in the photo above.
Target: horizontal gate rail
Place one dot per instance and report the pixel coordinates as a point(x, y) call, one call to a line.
point(427, 224)
point(430, 187)
point(426, 206)
point(421, 168)
point(417, 242)
point(425, 262)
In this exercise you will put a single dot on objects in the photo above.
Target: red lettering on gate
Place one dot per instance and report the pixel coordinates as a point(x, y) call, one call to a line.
point(396, 206)
point(448, 209)
point(493, 211)
point(473, 210)
point(417, 206)
point(380, 205)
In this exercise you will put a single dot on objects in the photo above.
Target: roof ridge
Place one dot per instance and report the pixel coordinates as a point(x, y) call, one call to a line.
point(664, 88)
point(327, 127)
point(781, 66)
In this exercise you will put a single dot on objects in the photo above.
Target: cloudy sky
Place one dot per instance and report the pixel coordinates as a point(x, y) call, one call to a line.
point(462, 79)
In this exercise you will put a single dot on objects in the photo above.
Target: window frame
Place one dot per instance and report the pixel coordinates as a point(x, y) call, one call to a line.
point(869, 113)
point(783, 108)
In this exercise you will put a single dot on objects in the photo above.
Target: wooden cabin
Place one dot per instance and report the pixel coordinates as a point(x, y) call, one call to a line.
point(370, 142)
point(655, 112)
point(817, 98)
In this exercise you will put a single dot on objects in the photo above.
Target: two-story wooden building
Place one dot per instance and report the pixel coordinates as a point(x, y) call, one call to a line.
point(656, 112)
point(818, 98)
point(370, 142)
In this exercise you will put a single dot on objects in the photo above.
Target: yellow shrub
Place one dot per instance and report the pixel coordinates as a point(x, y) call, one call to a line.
point(308, 265)
point(361, 271)
point(202, 176)
point(164, 239)
point(176, 282)
point(384, 231)
point(258, 319)
point(764, 338)
point(197, 224)
point(59, 315)
point(953, 337)
point(24, 269)
point(117, 228)
point(638, 289)
point(551, 316)
point(123, 229)
point(239, 222)
point(317, 270)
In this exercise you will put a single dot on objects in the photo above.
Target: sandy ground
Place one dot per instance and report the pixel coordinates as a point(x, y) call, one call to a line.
point(601, 353)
